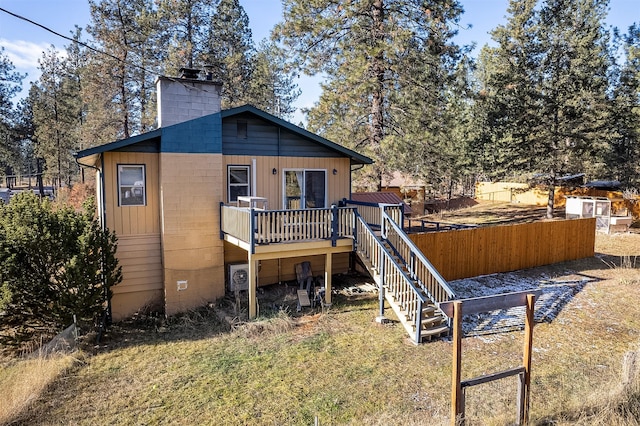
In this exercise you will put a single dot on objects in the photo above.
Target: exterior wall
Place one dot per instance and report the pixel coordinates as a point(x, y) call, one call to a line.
point(181, 100)
point(280, 270)
point(138, 231)
point(264, 138)
point(190, 192)
point(270, 185)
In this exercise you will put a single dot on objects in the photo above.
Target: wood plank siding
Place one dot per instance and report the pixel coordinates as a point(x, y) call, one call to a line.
point(132, 220)
point(138, 230)
point(472, 252)
point(142, 284)
point(270, 185)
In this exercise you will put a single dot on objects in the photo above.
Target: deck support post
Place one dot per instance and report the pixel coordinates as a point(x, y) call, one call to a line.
point(328, 264)
point(253, 302)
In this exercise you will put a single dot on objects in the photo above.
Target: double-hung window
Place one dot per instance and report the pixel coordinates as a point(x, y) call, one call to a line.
point(131, 185)
point(238, 178)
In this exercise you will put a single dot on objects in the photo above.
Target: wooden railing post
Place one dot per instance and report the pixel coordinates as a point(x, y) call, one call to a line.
point(334, 225)
point(418, 337)
point(252, 230)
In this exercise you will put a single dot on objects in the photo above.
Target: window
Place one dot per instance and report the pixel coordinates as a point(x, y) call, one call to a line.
point(238, 181)
point(131, 185)
point(305, 189)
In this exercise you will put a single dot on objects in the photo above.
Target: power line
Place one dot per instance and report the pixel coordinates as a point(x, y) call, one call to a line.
point(15, 15)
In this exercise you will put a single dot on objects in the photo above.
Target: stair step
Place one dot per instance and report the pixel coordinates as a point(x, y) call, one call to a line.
point(431, 322)
point(434, 332)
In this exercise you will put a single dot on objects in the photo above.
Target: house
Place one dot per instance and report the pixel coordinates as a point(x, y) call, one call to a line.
point(241, 197)
point(161, 192)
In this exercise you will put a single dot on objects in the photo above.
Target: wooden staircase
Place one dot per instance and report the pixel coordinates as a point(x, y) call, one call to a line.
point(411, 285)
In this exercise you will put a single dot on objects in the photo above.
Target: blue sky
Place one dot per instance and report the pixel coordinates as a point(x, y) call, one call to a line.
point(24, 42)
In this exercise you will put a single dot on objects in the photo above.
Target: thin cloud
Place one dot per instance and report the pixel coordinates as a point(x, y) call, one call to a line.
point(25, 54)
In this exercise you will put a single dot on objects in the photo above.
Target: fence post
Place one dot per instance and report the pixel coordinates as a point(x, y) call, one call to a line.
point(456, 387)
point(528, 346)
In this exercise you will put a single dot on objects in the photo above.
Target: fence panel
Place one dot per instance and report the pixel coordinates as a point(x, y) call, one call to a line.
point(471, 252)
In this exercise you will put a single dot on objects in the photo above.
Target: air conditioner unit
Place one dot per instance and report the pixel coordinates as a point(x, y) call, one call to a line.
point(239, 277)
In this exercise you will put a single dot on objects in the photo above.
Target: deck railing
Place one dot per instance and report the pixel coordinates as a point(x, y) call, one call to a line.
point(392, 278)
point(371, 213)
point(419, 267)
point(283, 226)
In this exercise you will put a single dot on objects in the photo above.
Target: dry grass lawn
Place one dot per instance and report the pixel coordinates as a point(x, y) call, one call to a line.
point(341, 367)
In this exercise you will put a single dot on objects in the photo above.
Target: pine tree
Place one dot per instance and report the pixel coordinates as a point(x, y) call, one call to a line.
point(230, 51)
point(10, 85)
point(185, 27)
point(272, 86)
point(55, 117)
point(364, 49)
point(544, 94)
point(624, 155)
point(119, 84)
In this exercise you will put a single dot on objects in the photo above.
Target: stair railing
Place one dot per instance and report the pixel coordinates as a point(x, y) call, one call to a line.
point(392, 278)
point(419, 267)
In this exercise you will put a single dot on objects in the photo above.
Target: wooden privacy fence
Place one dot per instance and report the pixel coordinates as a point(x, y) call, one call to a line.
point(472, 252)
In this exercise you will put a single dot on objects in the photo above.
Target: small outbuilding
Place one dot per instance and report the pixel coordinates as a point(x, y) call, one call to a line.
point(601, 209)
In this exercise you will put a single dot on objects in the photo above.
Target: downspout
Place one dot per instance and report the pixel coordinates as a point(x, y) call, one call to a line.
point(103, 227)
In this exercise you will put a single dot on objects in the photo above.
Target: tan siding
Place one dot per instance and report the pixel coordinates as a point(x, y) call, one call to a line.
point(142, 282)
point(472, 252)
point(270, 185)
point(131, 220)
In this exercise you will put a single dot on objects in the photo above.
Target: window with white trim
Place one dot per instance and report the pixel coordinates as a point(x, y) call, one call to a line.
point(131, 185)
point(304, 189)
point(238, 178)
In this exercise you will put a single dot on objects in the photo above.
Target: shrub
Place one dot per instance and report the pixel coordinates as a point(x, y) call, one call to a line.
point(54, 264)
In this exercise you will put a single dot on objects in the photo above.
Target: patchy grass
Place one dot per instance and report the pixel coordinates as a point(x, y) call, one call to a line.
point(341, 367)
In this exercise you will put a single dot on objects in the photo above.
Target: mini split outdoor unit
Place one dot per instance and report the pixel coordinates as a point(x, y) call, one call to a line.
point(239, 277)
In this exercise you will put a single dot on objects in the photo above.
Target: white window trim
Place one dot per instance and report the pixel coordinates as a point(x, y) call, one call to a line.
point(303, 198)
point(229, 184)
point(144, 185)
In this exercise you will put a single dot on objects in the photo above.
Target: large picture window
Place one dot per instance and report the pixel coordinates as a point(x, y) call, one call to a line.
point(131, 185)
point(305, 189)
point(238, 178)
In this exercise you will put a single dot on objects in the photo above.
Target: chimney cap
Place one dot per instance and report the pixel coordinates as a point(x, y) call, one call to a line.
point(189, 73)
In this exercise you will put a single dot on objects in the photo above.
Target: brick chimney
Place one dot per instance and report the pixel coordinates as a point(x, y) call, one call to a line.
point(185, 98)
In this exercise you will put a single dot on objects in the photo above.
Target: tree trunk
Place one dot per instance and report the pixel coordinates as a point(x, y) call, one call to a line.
point(552, 196)
point(377, 100)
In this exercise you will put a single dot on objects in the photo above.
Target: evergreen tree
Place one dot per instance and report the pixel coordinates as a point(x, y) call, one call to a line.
point(546, 85)
point(185, 29)
point(230, 51)
point(272, 86)
point(119, 84)
point(10, 85)
point(55, 117)
point(366, 51)
point(624, 155)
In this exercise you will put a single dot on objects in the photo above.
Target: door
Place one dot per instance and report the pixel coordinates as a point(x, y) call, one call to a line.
point(305, 189)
